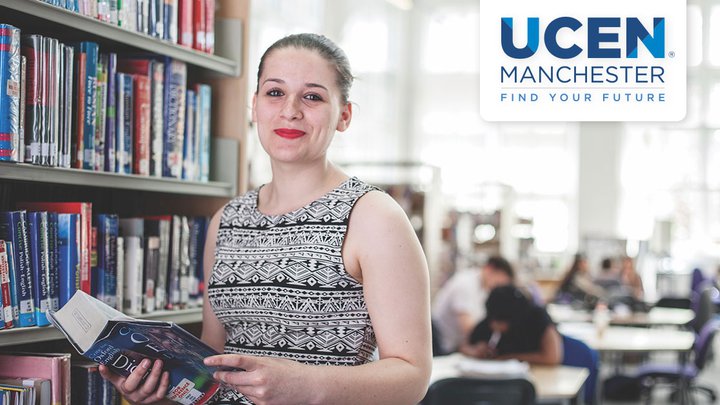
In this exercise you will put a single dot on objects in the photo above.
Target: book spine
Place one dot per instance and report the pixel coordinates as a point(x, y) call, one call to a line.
point(39, 251)
point(133, 275)
point(210, 26)
point(53, 99)
point(199, 21)
point(67, 72)
point(152, 250)
point(188, 168)
point(120, 287)
point(91, 62)
point(6, 318)
point(13, 283)
point(85, 283)
point(185, 23)
point(14, 228)
point(175, 87)
point(9, 92)
point(170, 20)
point(126, 121)
point(158, 118)
point(20, 152)
point(46, 120)
point(53, 263)
point(31, 49)
point(110, 122)
point(204, 114)
point(68, 257)
point(107, 256)
point(101, 108)
point(141, 116)
point(79, 95)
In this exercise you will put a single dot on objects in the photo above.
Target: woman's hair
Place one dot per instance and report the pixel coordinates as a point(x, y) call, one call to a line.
point(574, 269)
point(322, 45)
point(507, 303)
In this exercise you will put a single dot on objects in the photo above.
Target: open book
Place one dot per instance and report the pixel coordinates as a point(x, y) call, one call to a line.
point(107, 336)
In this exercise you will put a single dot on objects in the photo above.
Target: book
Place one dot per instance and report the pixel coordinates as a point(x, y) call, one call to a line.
point(52, 366)
point(9, 92)
point(34, 110)
point(6, 316)
point(110, 111)
point(66, 113)
point(120, 342)
point(38, 231)
point(142, 125)
point(38, 389)
point(13, 284)
point(68, 255)
point(14, 228)
point(174, 123)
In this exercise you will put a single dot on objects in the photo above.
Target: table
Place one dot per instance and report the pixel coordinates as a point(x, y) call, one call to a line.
point(655, 317)
point(552, 383)
point(622, 339)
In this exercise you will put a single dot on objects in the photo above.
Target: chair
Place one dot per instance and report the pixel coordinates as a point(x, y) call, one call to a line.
point(703, 305)
point(437, 348)
point(674, 373)
point(475, 391)
point(578, 354)
point(673, 302)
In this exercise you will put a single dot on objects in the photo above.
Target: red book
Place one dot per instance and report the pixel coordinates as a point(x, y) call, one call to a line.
point(141, 133)
point(52, 366)
point(85, 211)
point(185, 23)
point(5, 303)
point(78, 146)
point(210, 26)
point(199, 21)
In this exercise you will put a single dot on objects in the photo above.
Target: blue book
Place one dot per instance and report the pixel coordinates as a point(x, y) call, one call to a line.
point(38, 232)
point(90, 49)
point(204, 92)
point(14, 228)
point(189, 146)
point(53, 273)
point(174, 122)
point(107, 234)
point(9, 92)
point(13, 283)
point(124, 127)
point(68, 255)
point(110, 111)
point(121, 342)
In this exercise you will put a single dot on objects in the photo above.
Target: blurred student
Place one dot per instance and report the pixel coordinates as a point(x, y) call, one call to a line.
point(515, 328)
point(630, 279)
point(460, 304)
point(577, 286)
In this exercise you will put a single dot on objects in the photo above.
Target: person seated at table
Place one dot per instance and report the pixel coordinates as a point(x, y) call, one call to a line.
point(577, 286)
point(630, 279)
point(460, 304)
point(515, 328)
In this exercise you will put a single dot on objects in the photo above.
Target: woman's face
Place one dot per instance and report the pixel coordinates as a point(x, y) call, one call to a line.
point(298, 106)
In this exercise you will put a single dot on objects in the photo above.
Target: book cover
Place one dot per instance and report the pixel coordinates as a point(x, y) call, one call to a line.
point(157, 116)
point(124, 128)
point(131, 230)
point(210, 26)
point(199, 21)
point(9, 92)
point(142, 12)
point(170, 10)
point(6, 309)
point(14, 228)
point(190, 137)
point(86, 380)
point(185, 23)
point(84, 209)
point(68, 255)
point(204, 114)
point(141, 133)
point(20, 151)
point(101, 109)
point(13, 284)
point(37, 229)
point(52, 83)
point(120, 273)
point(32, 50)
point(53, 263)
point(159, 227)
point(38, 390)
point(152, 259)
point(77, 144)
point(175, 86)
point(155, 20)
point(91, 60)
point(107, 225)
point(111, 113)
point(44, 81)
point(175, 263)
point(52, 366)
point(66, 114)
point(109, 337)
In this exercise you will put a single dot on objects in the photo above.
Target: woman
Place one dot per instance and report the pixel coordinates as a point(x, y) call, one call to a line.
point(515, 328)
point(300, 289)
point(577, 285)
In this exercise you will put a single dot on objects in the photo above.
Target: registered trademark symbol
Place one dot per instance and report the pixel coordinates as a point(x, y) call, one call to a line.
point(671, 54)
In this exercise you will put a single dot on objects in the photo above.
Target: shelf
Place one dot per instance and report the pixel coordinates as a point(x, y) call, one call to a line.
point(78, 22)
point(56, 175)
point(40, 334)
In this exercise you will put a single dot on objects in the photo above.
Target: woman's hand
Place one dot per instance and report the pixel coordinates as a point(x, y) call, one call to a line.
point(134, 389)
point(266, 380)
point(479, 350)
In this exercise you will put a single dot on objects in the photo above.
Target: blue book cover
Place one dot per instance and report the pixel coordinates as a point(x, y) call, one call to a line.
point(189, 150)
point(14, 228)
point(37, 229)
point(9, 92)
point(13, 283)
point(107, 234)
point(68, 255)
point(90, 49)
point(53, 273)
point(204, 92)
point(174, 122)
point(110, 111)
point(125, 125)
point(121, 342)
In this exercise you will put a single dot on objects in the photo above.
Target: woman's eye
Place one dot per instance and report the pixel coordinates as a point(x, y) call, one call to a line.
point(274, 93)
point(313, 97)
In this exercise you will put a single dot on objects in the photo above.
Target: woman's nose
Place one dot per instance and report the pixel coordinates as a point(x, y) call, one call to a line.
point(292, 108)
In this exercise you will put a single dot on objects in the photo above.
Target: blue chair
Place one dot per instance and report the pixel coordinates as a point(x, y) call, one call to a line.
point(578, 354)
point(475, 391)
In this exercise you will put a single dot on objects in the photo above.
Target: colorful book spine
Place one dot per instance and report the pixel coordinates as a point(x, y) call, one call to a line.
point(6, 309)
point(185, 23)
point(210, 26)
point(53, 271)
point(9, 92)
point(68, 255)
point(91, 51)
point(20, 151)
point(199, 21)
point(111, 113)
point(13, 283)
point(101, 109)
point(37, 222)
point(52, 82)
point(124, 128)
point(175, 87)
point(141, 117)
point(34, 119)
point(157, 115)
point(14, 228)
point(204, 92)
point(155, 20)
point(107, 259)
point(170, 20)
point(79, 94)
point(66, 112)
point(189, 138)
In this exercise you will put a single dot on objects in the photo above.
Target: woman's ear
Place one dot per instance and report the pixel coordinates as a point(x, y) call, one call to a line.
point(345, 118)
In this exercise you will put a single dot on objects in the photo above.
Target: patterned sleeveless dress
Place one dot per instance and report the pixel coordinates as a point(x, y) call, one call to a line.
point(280, 288)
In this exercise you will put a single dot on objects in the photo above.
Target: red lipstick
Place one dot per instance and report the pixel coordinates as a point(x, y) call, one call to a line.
point(289, 133)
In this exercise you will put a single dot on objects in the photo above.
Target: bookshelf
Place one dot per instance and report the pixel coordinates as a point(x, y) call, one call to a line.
point(135, 194)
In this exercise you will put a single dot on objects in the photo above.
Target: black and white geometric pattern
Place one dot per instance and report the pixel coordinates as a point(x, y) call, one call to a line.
point(280, 288)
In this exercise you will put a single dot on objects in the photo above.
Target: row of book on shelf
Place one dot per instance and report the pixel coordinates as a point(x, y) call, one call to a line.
point(53, 379)
point(190, 23)
point(71, 105)
point(49, 250)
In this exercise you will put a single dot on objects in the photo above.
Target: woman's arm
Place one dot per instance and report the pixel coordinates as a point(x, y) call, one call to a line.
point(213, 332)
point(382, 250)
point(550, 353)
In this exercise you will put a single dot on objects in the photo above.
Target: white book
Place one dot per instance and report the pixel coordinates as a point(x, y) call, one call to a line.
point(132, 290)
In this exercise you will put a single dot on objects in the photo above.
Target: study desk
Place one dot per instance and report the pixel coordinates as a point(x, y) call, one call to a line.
point(655, 317)
point(552, 383)
point(622, 339)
